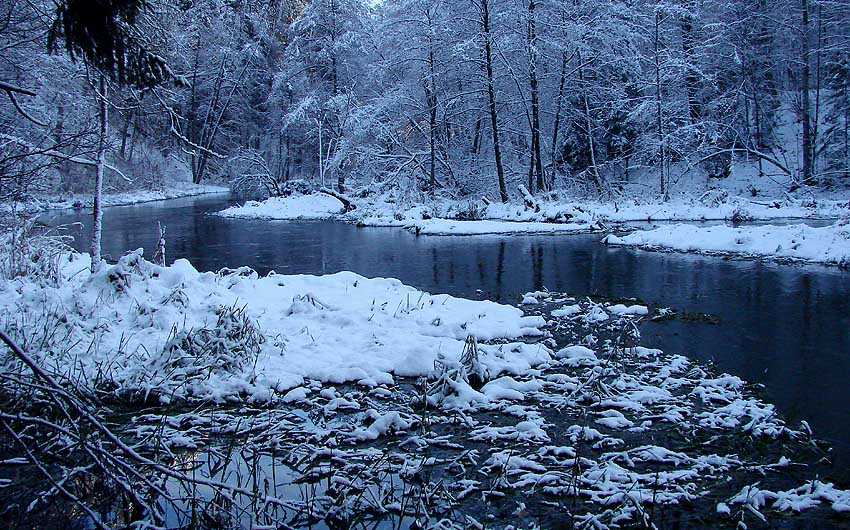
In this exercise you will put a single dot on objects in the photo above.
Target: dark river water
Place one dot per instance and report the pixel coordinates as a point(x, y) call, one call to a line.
point(784, 326)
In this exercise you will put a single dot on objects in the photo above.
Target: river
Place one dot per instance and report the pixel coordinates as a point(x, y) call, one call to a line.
point(784, 326)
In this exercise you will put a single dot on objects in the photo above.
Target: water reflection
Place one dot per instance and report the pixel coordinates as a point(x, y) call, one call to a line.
point(787, 327)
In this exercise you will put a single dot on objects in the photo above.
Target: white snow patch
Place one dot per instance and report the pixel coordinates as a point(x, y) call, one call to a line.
point(335, 328)
point(566, 311)
point(620, 309)
point(313, 206)
point(577, 356)
point(449, 227)
point(827, 244)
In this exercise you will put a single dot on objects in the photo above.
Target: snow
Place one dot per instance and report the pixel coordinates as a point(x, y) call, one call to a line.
point(508, 388)
point(443, 217)
point(313, 206)
point(447, 227)
point(439, 216)
point(296, 394)
point(799, 242)
point(614, 419)
point(567, 310)
point(676, 415)
point(620, 309)
point(577, 356)
point(805, 497)
point(174, 190)
point(334, 328)
point(382, 424)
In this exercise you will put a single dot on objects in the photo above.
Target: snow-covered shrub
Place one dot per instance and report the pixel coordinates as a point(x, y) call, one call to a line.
point(227, 349)
point(471, 211)
point(255, 176)
point(149, 169)
point(714, 197)
point(629, 335)
point(130, 265)
point(457, 382)
point(740, 214)
point(809, 202)
point(31, 251)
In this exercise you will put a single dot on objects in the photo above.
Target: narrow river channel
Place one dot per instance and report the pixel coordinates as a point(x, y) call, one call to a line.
point(784, 326)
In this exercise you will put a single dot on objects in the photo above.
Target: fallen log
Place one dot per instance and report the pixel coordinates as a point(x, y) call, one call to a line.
point(347, 203)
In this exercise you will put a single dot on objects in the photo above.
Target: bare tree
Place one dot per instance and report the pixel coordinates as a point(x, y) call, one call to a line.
point(486, 34)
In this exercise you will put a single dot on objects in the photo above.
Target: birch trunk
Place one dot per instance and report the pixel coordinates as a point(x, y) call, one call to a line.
point(102, 145)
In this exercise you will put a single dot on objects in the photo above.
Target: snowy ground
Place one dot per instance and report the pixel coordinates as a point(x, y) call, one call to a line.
point(450, 227)
point(159, 330)
point(314, 206)
point(828, 244)
point(540, 417)
point(604, 434)
point(589, 213)
point(552, 216)
point(68, 201)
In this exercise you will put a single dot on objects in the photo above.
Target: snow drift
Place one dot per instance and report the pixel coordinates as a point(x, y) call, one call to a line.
point(828, 244)
point(138, 329)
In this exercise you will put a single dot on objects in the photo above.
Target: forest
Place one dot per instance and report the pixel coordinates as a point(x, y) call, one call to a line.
point(469, 98)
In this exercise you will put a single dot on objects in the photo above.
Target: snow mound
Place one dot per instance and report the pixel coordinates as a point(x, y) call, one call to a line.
point(313, 206)
point(176, 333)
point(828, 244)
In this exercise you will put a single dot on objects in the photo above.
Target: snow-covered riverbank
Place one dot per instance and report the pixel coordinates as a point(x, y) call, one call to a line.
point(567, 405)
point(603, 432)
point(828, 244)
point(554, 216)
point(314, 206)
point(85, 200)
point(175, 332)
point(705, 208)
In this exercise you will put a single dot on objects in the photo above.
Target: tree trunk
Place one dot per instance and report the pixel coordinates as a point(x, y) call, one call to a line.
point(431, 101)
point(102, 145)
point(134, 133)
point(694, 108)
point(594, 173)
point(191, 117)
point(816, 118)
point(662, 150)
point(476, 137)
point(279, 158)
point(68, 182)
point(557, 120)
point(321, 157)
point(805, 112)
point(432, 132)
point(334, 67)
point(757, 114)
point(125, 131)
point(846, 99)
point(536, 159)
point(287, 168)
point(491, 93)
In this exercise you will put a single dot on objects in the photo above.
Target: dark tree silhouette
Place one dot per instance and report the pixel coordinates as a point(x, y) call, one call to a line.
point(103, 33)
